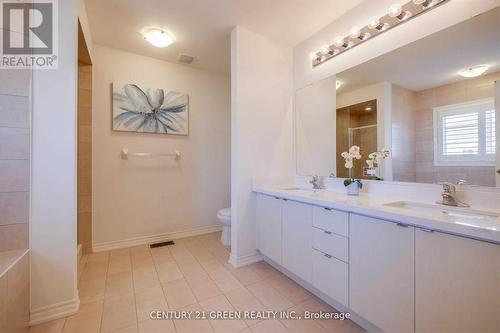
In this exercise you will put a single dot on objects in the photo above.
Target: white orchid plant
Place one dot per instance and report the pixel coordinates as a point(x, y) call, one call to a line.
point(374, 160)
point(350, 158)
point(376, 157)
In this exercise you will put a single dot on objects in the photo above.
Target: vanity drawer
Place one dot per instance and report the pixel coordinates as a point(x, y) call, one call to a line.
point(332, 244)
point(331, 276)
point(332, 220)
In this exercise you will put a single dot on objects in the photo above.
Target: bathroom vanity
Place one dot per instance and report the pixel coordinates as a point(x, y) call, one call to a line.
point(398, 267)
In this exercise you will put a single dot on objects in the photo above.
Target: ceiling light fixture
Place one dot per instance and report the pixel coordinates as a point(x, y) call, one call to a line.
point(398, 14)
point(474, 71)
point(158, 37)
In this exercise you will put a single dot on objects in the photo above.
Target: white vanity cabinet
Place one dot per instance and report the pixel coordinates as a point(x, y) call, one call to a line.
point(399, 277)
point(331, 253)
point(297, 239)
point(268, 218)
point(381, 275)
point(457, 284)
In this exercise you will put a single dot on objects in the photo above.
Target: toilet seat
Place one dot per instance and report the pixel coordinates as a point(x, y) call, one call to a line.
point(224, 216)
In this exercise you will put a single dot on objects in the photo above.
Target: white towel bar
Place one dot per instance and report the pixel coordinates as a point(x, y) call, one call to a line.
point(125, 154)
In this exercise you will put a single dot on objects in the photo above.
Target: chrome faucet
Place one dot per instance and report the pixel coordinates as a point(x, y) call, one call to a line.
point(449, 196)
point(317, 182)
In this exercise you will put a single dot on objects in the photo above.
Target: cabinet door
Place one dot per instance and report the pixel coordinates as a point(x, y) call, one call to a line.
point(381, 263)
point(331, 276)
point(268, 218)
point(297, 239)
point(457, 284)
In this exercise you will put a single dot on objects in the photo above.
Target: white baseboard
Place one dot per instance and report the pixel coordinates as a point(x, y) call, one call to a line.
point(54, 311)
point(119, 244)
point(245, 259)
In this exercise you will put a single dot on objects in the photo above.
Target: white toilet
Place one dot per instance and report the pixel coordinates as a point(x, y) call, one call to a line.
point(224, 216)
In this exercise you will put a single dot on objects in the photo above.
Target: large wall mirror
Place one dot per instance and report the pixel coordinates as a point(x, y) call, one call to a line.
point(431, 104)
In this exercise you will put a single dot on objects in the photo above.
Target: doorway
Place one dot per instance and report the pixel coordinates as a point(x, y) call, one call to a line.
point(84, 158)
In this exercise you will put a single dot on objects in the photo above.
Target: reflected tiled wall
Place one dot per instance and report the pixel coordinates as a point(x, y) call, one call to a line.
point(85, 157)
point(462, 91)
point(403, 134)
point(14, 158)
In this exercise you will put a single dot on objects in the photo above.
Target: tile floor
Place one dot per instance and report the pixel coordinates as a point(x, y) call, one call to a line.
point(118, 290)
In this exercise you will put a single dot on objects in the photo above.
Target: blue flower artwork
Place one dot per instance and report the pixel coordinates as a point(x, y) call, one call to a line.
point(149, 110)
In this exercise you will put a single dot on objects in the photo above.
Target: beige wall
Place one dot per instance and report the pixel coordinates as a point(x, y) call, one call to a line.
point(403, 134)
point(154, 196)
point(425, 101)
point(14, 158)
point(85, 157)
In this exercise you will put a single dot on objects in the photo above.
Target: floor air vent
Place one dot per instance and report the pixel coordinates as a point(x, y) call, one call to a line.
point(152, 246)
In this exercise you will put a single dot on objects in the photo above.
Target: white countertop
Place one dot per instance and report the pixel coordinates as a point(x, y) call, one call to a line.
point(375, 206)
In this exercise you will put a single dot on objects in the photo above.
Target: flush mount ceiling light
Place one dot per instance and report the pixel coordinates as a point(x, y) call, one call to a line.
point(158, 37)
point(397, 14)
point(474, 71)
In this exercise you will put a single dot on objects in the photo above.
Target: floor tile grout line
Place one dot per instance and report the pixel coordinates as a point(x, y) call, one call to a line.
point(189, 286)
point(105, 287)
point(133, 288)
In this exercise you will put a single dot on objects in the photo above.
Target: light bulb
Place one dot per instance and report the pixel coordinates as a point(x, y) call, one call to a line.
point(339, 42)
point(395, 10)
point(355, 32)
point(327, 50)
point(158, 38)
point(424, 3)
point(373, 23)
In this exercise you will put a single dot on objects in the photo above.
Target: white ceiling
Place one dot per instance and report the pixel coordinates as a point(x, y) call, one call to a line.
point(435, 60)
point(201, 28)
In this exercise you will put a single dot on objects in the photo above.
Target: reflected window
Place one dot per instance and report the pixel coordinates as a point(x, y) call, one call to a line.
point(464, 134)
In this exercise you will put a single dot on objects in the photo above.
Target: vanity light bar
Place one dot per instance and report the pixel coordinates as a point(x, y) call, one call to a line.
point(397, 14)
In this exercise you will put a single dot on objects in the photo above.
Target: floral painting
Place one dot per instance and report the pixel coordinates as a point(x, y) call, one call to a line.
point(149, 110)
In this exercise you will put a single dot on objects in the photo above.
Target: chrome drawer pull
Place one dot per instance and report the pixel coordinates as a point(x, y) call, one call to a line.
point(327, 255)
point(327, 208)
point(402, 225)
point(327, 232)
point(426, 230)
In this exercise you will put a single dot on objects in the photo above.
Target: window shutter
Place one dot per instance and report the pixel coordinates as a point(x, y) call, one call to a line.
point(461, 134)
point(490, 132)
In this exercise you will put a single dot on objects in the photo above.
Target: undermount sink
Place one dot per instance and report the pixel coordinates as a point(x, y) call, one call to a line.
point(453, 213)
point(299, 189)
